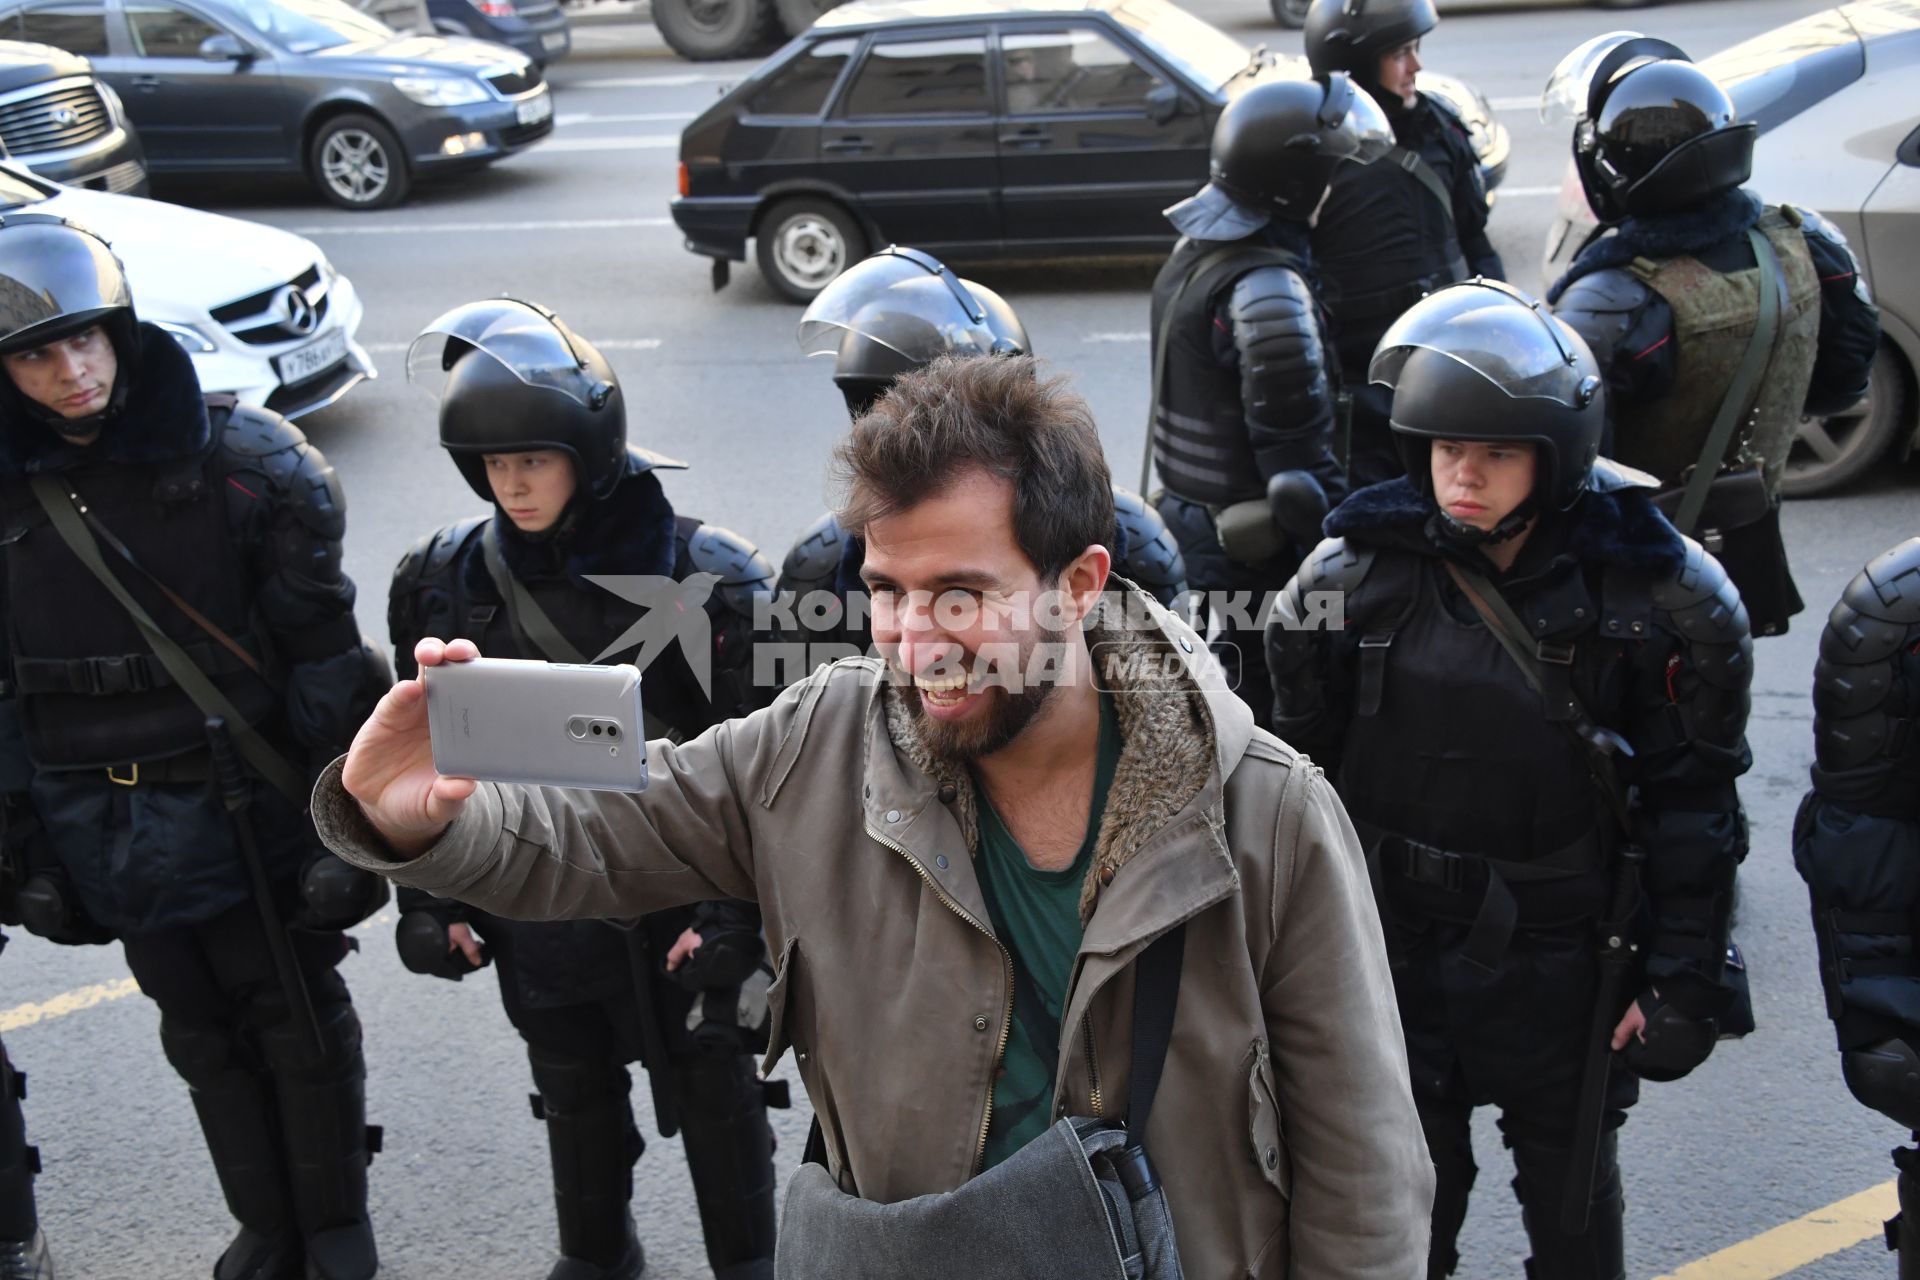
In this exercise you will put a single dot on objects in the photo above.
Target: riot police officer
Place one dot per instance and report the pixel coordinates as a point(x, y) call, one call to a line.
point(1857, 845)
point(533, 417)
point(23, 1246)
point(1244, 381)
point(897, 311)
point(1695, 283)
point(1534, 707)
point(171, 557)
point(1401, 226)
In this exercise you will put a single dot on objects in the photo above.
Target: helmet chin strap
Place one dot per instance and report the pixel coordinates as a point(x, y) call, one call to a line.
point(1511, 526)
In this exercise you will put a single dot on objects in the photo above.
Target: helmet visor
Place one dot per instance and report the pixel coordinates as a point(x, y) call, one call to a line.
point(533, 343)
point(904, 301)
point(1499, 333)
point(1361, 131)
point(1564, 100)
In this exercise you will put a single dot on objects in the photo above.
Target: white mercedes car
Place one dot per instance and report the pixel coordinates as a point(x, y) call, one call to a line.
point(261, 311)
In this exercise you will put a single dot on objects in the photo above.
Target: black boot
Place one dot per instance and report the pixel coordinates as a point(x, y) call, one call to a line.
point(23, 1249)
point(1540, 1179)
point(234, 1101)
point(593, 1144)
point(323, 1123)
point(723, 1120)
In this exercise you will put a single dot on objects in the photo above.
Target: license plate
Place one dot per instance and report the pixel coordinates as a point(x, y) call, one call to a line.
point(553, 40)
point(534, 110)
point(316, 357)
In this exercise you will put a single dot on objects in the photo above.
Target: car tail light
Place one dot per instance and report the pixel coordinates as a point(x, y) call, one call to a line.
point(683, 177)
point(495, 8)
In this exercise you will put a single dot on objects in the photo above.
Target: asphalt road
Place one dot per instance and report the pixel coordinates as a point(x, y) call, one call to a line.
point(1761, 1135)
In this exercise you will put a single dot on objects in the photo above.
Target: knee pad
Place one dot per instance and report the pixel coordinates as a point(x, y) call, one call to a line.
point(568, 1083)
point(200, 1052)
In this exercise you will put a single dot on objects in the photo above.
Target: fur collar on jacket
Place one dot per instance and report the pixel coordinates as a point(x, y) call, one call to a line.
point(1620, 528)
point(1668, 235)
point(164, 418)
point(631, 531)
point(1166, 757)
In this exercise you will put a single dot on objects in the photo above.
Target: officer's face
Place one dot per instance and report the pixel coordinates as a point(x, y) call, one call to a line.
point(533, 488)
point(72, 377)
point(1481, 484)
point(1398, 70)
point(977, 640)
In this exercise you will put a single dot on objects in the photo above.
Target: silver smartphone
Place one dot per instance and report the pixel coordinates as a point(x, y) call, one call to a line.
point(551, 723)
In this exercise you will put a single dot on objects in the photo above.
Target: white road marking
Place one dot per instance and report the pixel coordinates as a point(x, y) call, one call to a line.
point(643, 142)
point(605, 344)
point(653, 82)
point(446, 228)
point(1525, 102)
point(645, 117)
point(1116, 337)
point(1525, 193)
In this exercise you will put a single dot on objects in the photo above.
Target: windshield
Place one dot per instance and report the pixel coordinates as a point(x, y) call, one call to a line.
point(1774, 77)
point(307, 26)
point(1207, 54)
point(16, 191)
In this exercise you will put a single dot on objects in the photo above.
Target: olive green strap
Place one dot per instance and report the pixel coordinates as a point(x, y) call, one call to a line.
point(524, 614)
point(64, 509)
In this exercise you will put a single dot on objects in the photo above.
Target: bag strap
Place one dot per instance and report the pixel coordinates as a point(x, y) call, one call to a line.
point(1745, 386)
point(1156, 994)
point(67, 514)
point(1204, 263)
point(1423, 174)
point(529, 621)
point(1506, 627)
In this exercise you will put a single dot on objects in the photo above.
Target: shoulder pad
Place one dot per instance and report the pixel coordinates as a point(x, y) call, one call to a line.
point(1878, 611)
point(1270, 292)
point(1152, 559)
point(1335, 565)
point(252, 432)
point(1607, 292)
point(815, 558)
point(432, 556)
point(718, 550)
point(1609, 476)
point(1701, 602)
point(263, 442)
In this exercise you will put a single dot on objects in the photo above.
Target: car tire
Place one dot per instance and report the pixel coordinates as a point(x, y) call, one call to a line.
point(803, 243)
point(1291, 14)
point(707, 30)
point(797, 15)
point(357, 163)
point(1832, 453)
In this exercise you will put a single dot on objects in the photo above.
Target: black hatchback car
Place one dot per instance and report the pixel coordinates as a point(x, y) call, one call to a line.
point(994, 127)
point(298, 86)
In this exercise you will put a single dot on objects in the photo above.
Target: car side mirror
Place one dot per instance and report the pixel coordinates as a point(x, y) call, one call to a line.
point(1164, 103)
point(224, 48)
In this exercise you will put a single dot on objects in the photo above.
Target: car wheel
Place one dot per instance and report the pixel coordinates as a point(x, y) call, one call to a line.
point(357, 163)
point(1291, 14)
point(797, 15)
point(1831, 453)
point(804, 244)
point(705, 30)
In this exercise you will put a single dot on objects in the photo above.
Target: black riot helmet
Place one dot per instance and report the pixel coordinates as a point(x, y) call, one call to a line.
point(58, 279)
point(1274, 151)
point(1481, 361)
point(512, 378)
point(900, 310)
point(1652, 132)
point(1352, 35)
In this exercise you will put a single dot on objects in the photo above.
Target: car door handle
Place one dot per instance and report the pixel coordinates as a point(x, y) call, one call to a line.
point(146, 82)
point(847, 145)
point(1031, 136)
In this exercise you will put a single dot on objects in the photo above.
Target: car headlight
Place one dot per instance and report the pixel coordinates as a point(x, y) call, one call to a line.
point(440, 91)
point(190, 338)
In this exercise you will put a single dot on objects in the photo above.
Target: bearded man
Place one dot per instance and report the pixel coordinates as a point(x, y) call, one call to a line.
point(960, 850)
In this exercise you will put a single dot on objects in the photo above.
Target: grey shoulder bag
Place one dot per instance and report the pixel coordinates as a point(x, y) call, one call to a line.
point(1082, 1199)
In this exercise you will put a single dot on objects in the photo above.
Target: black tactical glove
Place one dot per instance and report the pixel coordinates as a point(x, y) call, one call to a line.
point(730, 949)
point(421, 937)
point(1886, 1076)
point(337, 895)
point(1299, 505)
point(49, 908)
point(1672, 1044)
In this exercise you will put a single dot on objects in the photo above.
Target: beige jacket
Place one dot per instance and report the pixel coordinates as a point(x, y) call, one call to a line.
point(1284, 1128)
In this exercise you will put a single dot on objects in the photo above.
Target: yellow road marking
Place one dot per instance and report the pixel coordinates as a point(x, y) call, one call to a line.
point(1793, 1245)
point(26, 1015)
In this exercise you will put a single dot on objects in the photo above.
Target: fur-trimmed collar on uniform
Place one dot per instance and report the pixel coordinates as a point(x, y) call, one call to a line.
point(630, 531)
point(164, 418)
point(1667, 235)
point(1166, 756)
point(1623, 527)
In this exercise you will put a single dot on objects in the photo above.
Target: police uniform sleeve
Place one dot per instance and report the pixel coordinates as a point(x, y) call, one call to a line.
point(1309, 654)
point(1470, 212)
point(1688, 732)
point(1849, 322)
point(1286, 388)
point(1629, 328)
point(1857, 837)
point(287, 509)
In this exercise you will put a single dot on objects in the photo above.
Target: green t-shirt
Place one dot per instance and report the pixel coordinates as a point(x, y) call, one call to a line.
point(1036, 915)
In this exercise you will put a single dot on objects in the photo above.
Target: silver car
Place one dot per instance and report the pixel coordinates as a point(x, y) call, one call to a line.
point(1833, 96)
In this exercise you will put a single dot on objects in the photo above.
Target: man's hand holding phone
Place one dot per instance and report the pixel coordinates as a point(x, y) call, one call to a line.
point(389, 768)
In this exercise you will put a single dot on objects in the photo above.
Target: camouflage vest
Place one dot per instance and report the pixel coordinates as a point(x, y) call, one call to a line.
point(1713, 319)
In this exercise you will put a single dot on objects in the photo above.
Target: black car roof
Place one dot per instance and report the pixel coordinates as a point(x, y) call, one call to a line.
point(867, 13)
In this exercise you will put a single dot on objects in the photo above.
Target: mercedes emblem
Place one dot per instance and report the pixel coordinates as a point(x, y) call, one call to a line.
point(296, 310)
